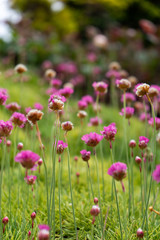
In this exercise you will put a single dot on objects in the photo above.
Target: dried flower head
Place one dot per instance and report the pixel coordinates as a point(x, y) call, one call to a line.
point(153, 92)
point(133, 80)
point(34, 115)
point(20, 68)
point(13, 107)
point(142, 89)
point(67, 126)
point(123, 84)
point(81, 114)
point(100, 87)
point(114, 66)
point(49, 73)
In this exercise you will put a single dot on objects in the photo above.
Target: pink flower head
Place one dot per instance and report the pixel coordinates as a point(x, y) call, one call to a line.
point(143, 141)
point(58, 97)
point(18, 119)
point(44, 232)
point(100, 87)
point(95, 121)
point(82, 105)
point(130, 97)
point(3, 96)
point(95, 210)
point(13, 107)
point(92, 57)
point(92, 139)
point(140, 233)
point(5, 128)
point(118, 171)
point(61, 146)
point(113, 74)
point(56, 83)
point(85, 155)
point(156, 174)
point(27, 158)
point(129, 112)
point(66, 92)
point(27, 109)
point(5, 220)
point(51, 91)
point(31, 179)
point(143, 117)
point(109, 132)
point(88, 99)
point(38, 106)
point(157, 122)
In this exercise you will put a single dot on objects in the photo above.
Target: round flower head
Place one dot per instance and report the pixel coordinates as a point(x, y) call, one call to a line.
point(67, 126)
point(143, 117)
point(49, 73)
point(92, 139)
point(133, 80)
point(140, 233)
point(27, 158)
point(85, 155)
point(130, 97)
point(95, 121)
point(132, 144)
point(31, 179)
point(153, 92)
point(109, 132)
point(44, 232)
point(157, 121)
point(20, 146)
point(66, 92)
point(38, 106)
point(96, 200)
point(114, 66)
point(5, 128)
point(34, 115)
point(113, 74)
point(123, 84)
point(129, 112)
point(88, 99)
point(61, 146)
point(138, 160)
point(81, 114)
point(143, 141)
point(56, 102)
point(100, 87)
point(20, 68)
point(18, 119)
point(8, 143)
point(56, 83)
point(100, 41)
point(40, 161)
point(13, 107)
point(156, 174)
point(82, 105)
point(3, 96)
point(5, 220)
point(95, 210)
point(142, 89)
point(118, 171)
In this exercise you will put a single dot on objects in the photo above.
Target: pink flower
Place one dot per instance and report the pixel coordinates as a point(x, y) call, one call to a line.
point(82, 105)
point(92, 139)
point(109, 132)
point(157, 122)
point(100, 87)
point(44, 227)
point(143, 141)
point(156, 174)
point(13, 107)
point(113, 73)
point(18, 119)
point(27, 158)
point(27, 109)
point(85, 155)
point(118, 171)
point(61, 146)
point(130, 97)
point(58, 97)
point(50, 91)
point(38, 106)
point(88, 99)
point(56, 83)
point(91, 57)
point(3, 96)
point(143, 117)
point(95, 210)
point(5, 128)
point(129, 112)
point(44, 232)
point(95, 121)
point(66, 92)
point(31, 179)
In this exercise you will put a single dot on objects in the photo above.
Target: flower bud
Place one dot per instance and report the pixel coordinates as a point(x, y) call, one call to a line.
point(124, 84)
point(40, 161)
point(138, 160)
point(8, 143)
point(20, 68)
point(5, 220)
point(20, 146)
point(81, 114)
point(34, 115)
point(33, 215)
point(95, 210)
point(132, 144)
point(140, 233)
point(96, 200)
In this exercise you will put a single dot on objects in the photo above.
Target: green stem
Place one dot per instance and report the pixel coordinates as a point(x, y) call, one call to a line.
point(59, 194)
point(91, 182)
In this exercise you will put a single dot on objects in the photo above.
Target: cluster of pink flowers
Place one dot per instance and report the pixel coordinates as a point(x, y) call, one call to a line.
point(100, 87)
point(56, 83)
point(92, 139)
point(38, 106)
point(109, 133)
point(66, 92)
point(143, 141)
point(5, 128)
point(85, 155)
point(3, 96)
point(43, 232)
point(13, 107)
point(129, 112)
point(27, 158)
point(130, 97)
point(156, 174)
point(95, 121)
point(18, 119)
point(157, 122)
point(61, 146)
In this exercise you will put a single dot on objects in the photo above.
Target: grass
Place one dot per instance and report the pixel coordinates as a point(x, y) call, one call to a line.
point(22, 201)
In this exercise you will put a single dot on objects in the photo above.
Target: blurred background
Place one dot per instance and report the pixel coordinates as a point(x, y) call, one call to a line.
point(82, 36)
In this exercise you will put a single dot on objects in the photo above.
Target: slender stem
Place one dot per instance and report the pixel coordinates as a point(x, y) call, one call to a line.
point(91, 181)
point(45, 168)
point(59, 194)
point(132, 181)
point(70, 184)
point(118, 209)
